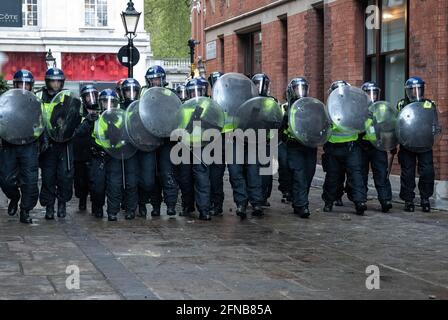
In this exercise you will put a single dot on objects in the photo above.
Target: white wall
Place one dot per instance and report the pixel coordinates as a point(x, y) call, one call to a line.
point(61, 28)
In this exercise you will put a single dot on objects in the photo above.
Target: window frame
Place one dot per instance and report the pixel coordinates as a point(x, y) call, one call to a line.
point(378, 54)
point(96, 19)
point(25, 14)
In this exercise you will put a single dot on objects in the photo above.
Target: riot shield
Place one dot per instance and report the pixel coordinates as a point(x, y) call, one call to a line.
point(197, 115)
point(309, 122)
point(348, 108)
point(380, 127)
point(418, 126)
point(232, 90)
point(139, 136)
point(158, 108)
point(110, 133)
point(20, 117)
point(258, 113)
point(62, 116)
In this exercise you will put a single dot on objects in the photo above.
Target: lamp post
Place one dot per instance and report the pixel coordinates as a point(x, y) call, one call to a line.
point(50, 60)
point(130, 19)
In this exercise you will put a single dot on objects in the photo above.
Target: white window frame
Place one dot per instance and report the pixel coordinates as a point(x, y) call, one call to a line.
point(25, 4)
point(96, 18)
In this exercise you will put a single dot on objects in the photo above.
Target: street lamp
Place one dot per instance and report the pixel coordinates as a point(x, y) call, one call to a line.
point(130, 19)
point(50, 60)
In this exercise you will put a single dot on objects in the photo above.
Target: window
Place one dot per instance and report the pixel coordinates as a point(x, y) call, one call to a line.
point(252, 43)
point(95, 13)
point(29, 13)
point(386, 49)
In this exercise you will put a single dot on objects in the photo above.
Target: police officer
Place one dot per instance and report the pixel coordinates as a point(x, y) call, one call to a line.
point(96, 170)
point(410, 161)
point(343, 151)
point(375, 158)
point(19, 165)
point(81, 148)
point(217, 170)
point(166, 181)
point(130, 90)
point(181, 92)
point(184, 172)
point(114, 170)
point(57, 173)
point(301, 159)
point(196, 88)
point(263, 83)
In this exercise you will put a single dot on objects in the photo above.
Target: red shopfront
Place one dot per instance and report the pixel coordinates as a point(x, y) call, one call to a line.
point(101, 67)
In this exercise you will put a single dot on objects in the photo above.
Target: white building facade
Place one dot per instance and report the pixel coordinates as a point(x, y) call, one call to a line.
point(83, 35)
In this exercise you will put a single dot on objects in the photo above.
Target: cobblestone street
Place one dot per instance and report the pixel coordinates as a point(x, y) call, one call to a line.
point(277, 257)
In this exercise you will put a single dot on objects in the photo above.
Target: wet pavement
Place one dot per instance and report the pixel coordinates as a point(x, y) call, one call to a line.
point(279, 256)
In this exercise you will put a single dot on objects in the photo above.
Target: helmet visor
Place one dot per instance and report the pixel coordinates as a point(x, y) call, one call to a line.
point(90, 99)
point(374, 94)
point(131, 93)
point(154, 82)
point(107, 103)
point(415, 93)
point(28, 86)
point(299, 90)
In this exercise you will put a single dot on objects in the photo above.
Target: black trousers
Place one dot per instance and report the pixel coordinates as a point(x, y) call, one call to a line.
point(19, 170)
point(340, 156)
point(81, 179)
point(302, 163)
point(409, 162)
point(97, 181)
point(57, 167)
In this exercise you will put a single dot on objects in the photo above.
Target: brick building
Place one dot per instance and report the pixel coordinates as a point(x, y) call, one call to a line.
point(354, 40)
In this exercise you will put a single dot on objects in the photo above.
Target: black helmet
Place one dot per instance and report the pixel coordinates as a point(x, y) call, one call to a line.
point(54, 75)
point(23, 79)
point(338, 84)
point(415, 89)
point(89, 97)
point(130, 89)
point(263, 83)
point(298, 88)
point(372, 89)
point(197, 87)
point(212, 78)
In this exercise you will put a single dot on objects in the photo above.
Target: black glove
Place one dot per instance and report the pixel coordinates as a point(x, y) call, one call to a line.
point(92, 117)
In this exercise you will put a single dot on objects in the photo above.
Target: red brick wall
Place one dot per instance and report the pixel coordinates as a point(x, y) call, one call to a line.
point(273, 57)
point(328, 46)
point(428, 54)
point(236, 8)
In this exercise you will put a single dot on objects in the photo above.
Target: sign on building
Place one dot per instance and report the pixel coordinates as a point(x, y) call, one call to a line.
point(11, 13)
point(211, 50)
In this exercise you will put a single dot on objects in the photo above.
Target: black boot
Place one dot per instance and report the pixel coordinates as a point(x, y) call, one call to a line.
point(361, 207)
point(386, 206)
point(302, 212)
point(97, 211)
point(112, 217)
point(187, 211)
point(82, 204)
point(426, 206)
point(25, 217)
point(205, 216)
point(129, 215)
point(13, 207)
point(328, 207)
point(155, 211)
point(257, 211)
point(142, 212)
point(217, 211)
point(265, 203)
point(49, 212)
point(409, 206)
point(61, 210)
point(241, 212)
point(339, 203)
point(171, 211)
